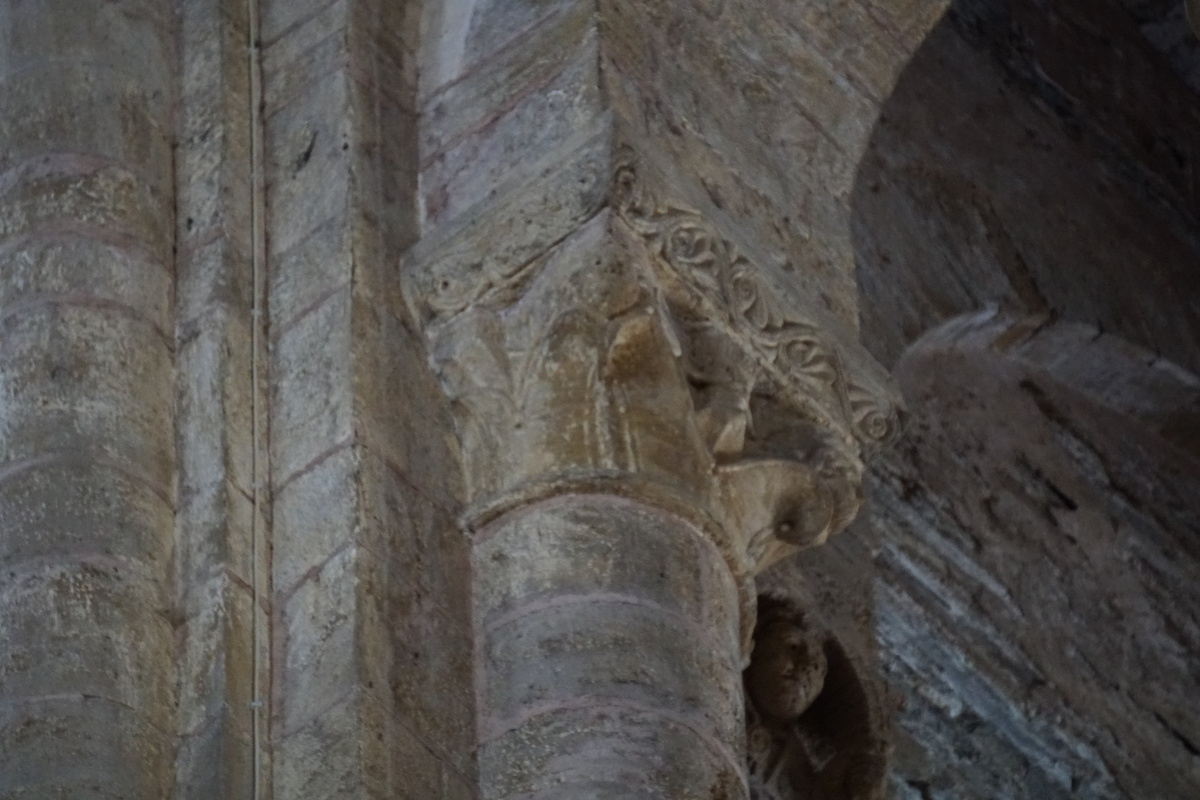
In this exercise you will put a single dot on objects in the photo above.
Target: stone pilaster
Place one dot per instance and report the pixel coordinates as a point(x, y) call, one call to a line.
point(222, 599)
point(87, 464)
point(645, 425)
point(371, 621)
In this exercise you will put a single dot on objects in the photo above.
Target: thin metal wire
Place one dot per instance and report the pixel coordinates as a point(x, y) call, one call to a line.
point(257, 320)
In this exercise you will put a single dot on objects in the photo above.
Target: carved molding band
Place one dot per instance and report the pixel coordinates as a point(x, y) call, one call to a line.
point(712, 285)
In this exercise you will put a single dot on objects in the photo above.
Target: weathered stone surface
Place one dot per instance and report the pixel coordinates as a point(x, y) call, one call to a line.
point(71, 264)
point(579, 377)
point(632, 351)
point(217, 667)
point(330, 629)
point(364, 483)
point(114, 35)
point(390, 363)
point(44, 194)
point(87, 627)
point(70, 505)
point(80, 747)
point(552, 201)
point(581, 551)
point(138, 137)
point(624, 231)
point(308, 169)
point(975, 193)
point(218, 744)
point(609, 751)
point(428, 547)
point(1008, 528)
point(216, 398)
point(467, 106)
point(544, 116)
point(434, 662)
point(737, 117)
point(342, 752)
point(565, 602)
point(87, 482)
point(311, 368)
point(223, 664)
point(586, 649)
point(81, 378)
point(1045, 557)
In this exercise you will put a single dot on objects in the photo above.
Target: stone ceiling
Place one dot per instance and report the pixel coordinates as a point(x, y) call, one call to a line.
point(1165, 26)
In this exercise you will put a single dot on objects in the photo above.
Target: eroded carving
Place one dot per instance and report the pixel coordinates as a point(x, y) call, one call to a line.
point(788, 414)
point(710, 285)
point(570, 377)
point(648, 345)
point(810, 731)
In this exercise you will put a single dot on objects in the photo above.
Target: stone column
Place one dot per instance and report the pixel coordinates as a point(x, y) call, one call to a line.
point(645, 425)
point(86, 380)
point(607, 654)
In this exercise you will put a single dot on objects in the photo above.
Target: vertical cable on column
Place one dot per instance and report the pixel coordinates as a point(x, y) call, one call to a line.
point(258, 257)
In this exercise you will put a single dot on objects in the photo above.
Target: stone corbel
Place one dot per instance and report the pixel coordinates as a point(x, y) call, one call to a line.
point(646, 355)
point(789, 410)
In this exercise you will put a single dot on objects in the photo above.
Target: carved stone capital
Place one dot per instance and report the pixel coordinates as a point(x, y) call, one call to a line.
point(646, 355)
point(567, 378)
point(788, 404)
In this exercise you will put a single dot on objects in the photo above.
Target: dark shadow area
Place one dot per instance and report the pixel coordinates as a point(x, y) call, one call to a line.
point(1042, 160)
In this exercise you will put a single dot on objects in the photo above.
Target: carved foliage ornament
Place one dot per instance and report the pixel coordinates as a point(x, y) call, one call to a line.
point(710, 283)
point(781, 416)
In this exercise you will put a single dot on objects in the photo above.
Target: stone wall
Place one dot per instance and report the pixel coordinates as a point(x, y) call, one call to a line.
point(218, 576)
point(1035, 530)
point(1035, 603)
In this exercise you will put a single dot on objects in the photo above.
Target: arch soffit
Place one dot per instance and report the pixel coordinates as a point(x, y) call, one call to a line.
point(1156, 394)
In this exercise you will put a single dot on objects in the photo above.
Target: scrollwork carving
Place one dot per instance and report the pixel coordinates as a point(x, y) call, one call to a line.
point(788, 412)
point(707, 277)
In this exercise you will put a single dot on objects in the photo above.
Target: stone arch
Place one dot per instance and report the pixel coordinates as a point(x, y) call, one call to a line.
point(1037, 529)
point(1007, 168)
point(1154, 394)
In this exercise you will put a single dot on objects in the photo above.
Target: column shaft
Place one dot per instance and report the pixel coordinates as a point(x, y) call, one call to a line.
point(86, 421)
point(608, 655)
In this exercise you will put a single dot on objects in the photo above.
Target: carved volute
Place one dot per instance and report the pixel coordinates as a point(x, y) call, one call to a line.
point(646, 355)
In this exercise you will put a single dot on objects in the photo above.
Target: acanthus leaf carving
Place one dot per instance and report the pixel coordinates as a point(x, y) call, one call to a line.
point(567, 374)
point(783, 408)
